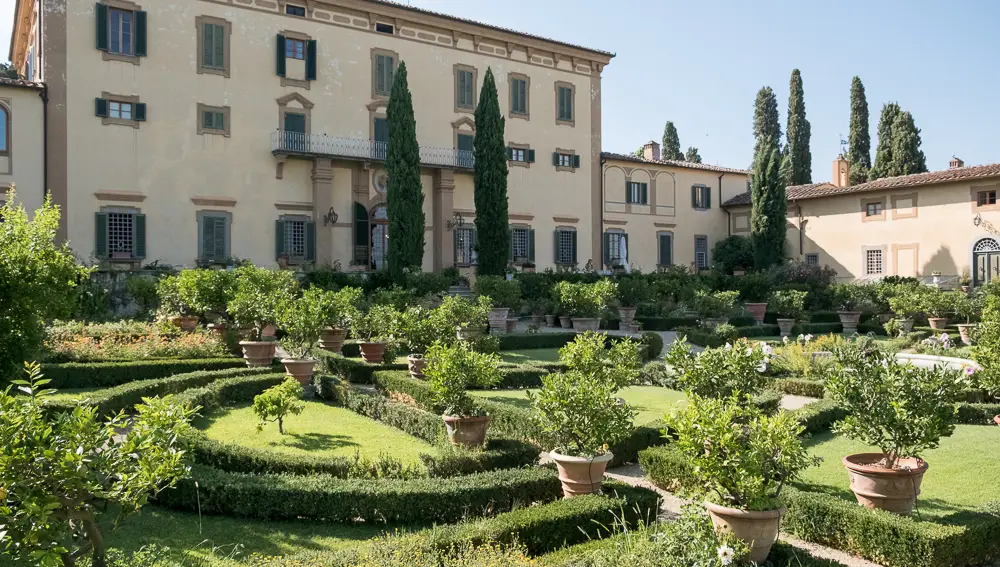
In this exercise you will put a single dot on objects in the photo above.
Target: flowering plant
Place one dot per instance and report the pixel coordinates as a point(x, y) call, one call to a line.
point(737, 368)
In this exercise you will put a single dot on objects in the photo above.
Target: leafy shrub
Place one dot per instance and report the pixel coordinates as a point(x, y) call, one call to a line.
point(850, 297)
point(755, 287)
point(452, 369)
point(788, 304)
point(714, 304)
point(341, 308)
point(732, 253)
point(726, 332)
point(278, 402)
point(720, 372)
point(504, 293)
point(585, 300)
point(104, 374)
point(381, 323)
point(142, 290)
point(303, 319)
point(257, 295)
point(633, 290)
point(987, 342)
point(652, 345)
point(155, 344)
point(459, 312)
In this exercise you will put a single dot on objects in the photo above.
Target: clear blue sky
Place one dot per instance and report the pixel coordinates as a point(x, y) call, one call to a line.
point(700, 64)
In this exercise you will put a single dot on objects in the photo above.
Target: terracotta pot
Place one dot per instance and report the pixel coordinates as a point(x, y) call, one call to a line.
point(906, 324)
point(512, 324)
point(884, 317)
point(713, 322)
point(528, 269)
point(219, 329)
point(469, 432)
point(965, 330)
point(332, 339)
point(468, 333)
point(269, 331)
point(566, 322)
point(186, 323)
point(937, 323)
point(965, 288)
point(258, 353)
point(584, 324)
point(301, 370)
point(759, 530)
point(785, 326)
point(550, 320)
point(498, 320)
point(372, 353)
point(581, 475)
point(634, 328)
point(850, 320)
point(416, 364)
point(892, 490)
point(626, 315)
point(996, 419)
point(756, 310)
point(535, 320)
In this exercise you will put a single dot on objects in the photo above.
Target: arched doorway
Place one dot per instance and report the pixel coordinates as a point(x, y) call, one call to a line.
point(379, 237)
point(985, 261)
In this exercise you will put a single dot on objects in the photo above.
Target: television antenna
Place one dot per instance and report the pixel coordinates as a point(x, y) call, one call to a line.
point(843, 145)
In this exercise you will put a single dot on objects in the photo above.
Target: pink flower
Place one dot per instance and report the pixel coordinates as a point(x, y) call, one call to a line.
point(969, 370)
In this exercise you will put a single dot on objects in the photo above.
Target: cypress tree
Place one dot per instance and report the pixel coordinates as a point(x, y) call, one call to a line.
point(769, 208)
point(671, 147)
point(907, 157)
point(492, 232)
point(692, 155)
point(766, 125)
point(883, 153)
point(799, 169)
point(860, 138)
point(404, 194)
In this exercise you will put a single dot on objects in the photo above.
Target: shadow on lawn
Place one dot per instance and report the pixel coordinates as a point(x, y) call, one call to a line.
point(314, 441)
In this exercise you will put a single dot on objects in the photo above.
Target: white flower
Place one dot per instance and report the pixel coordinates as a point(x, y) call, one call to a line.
point(725, 554)
point(784, 339)
point(809, 338)
point(729, 347)
point(800, 337)
point(944, 337)
point(762, 367)
point(766, 348)
point(750, 351)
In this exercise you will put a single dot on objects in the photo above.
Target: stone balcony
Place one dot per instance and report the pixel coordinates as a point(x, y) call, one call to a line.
point(294, 144)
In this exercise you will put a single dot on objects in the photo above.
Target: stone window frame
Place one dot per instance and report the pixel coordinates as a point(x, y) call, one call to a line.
point(527, 96)
point(201, 214)
point(129, 99)
point(376, 109)
point(699, 190)
point(974, 192)
point(673, 246)
point(5, 107)
point(227, 124)
point(864, 259)
point(572, 87)
point(897, 248)
point(133, 261)
point(227, 26)
point(297, 217)
point(456, 127)
point(516, 146)
point(707, 252)
point(872, 201)
point(306, 109)
point(130, 7)
point(556, 258)
point(305, 39)
point(894, 199)
point(743, 215)
point(521, 226)
point(475, 82)
point(395, 66)
point(569, 168)
point(812, 255)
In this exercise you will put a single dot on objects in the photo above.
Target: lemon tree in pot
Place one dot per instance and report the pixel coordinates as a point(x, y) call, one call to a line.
point(632, 290)
point(464, 317)
point(451, 369)
point(965, 307)
point(714, 307)
point(377, 328)
point(421, 327)
point(340, 309)
point(176, 305)
point(905, 302)
point(254, 305)
point(580, 412)
point(505, 296)
point(788, 304)
point(585, 303)
point(302, 319)
point(899, 408)
point(850, 300)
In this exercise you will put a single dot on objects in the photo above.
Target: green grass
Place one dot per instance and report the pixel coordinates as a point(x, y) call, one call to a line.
point(961, 474)
point(651, 402)
point(72, 394)
point(531, 355)
point(320, 430)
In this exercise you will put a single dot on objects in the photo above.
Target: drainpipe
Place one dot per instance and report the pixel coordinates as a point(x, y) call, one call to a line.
point(600, 253)
point(45, 141)
point(802, 230)
point(729, 215)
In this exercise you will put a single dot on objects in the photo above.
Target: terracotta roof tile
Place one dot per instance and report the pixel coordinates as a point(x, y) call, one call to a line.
point(818, 190)
point(674, 163)
point(4, 81)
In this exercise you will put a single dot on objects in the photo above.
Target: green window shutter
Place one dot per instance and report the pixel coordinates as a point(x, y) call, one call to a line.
point(380, 74)
point(555, 158)
point(665, 246)
point(311, 61)
point(310, 241)
point(531, 156)
point(101, 107)
point(661, 255)
point(208, 41)
point(279, 238)
point(139, 236)
point(207, 227)
point(625, 238)
point(531, 245)
point(576, 161)
point(644, 196)
point(510, 244)
point(281, 55)
point(208, 120)
point(573, 241)
point(140, 33)
point(607, 248)
point(140, 112)
point(708, 197)
point(102, 27)
point(628, 191)
point(101, 235)
point(694, 197)
point(454, 247)
point(510, 153)
point(555, 246)
point(221, 238)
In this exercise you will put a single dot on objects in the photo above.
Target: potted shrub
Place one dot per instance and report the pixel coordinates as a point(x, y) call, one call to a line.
point(850, 300)
point(579, 410)
point(720, 372)
point(632, 290)
point(965, 306)
point(421, 328)
point(560, 309)
point(302, 320)
point(743, 458)
point(754, 289)
point(899, 408)
point(788, 304)
point(714, 307)
point(175, 305)
point(964, 281)
point(586, 302)
point(936, 304)
point(539, 307)
point(505, 295)
point(450, 371)
point(376, 328)
point(905, 303)
point(254, 305)
point(465, 317)
point(340, 310)
point(528, 267)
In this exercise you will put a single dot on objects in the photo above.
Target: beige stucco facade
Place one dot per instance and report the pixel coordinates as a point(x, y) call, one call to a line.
point(22, 154)
point(171, 169)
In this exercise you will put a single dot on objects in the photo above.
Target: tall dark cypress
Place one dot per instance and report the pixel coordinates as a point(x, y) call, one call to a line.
point(883, 153)
point(766, 125)
point(860, 138)
point(671, 147)
point(769, 208)
point(799, 169)
point(492, 231)
point(404, 194)
point(907, 157)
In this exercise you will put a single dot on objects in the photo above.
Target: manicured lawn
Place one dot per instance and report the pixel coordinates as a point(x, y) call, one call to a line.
point(961, 473)
point(320, 430)
point(72, 394)
point(531, 355)
point(651, 402)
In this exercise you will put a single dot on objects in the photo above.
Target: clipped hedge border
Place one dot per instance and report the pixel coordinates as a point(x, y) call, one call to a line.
point(800, 387)
point(324, 497)
point(106, 374)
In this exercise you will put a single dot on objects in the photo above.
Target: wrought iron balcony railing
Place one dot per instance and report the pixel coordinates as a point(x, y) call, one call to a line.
point(296, 143)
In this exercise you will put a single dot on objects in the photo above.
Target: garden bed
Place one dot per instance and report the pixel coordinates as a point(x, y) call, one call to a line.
point(650, 402)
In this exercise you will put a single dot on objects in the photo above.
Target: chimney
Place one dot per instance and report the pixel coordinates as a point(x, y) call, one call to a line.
point(841, 172)
point(651, 151)
point(955, 162)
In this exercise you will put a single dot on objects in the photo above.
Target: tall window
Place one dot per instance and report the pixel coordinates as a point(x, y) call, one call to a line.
point(519, 96)
point(665, 244)
point(383, 73)
point(565, 242)
point(465, 84)
point(701, 252)
point(362, 235)
point(701, 197)
point(614, 244)
point(564, 96)
point(873, 262)
point(4, 130)
point(464, 244)
point(637, 193)
point(295, 238)
point(120, 31)
point(520, 242)
point(295, 49)
point(214, 55)
point(121, 235)
point(213, 238)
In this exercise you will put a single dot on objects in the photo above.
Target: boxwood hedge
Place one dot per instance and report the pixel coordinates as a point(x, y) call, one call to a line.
point(105, 374)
